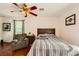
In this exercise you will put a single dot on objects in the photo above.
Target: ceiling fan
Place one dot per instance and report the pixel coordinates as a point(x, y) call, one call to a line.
point(25, 9)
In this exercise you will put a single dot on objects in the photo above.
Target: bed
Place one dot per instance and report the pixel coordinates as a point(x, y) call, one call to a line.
point(48, 44)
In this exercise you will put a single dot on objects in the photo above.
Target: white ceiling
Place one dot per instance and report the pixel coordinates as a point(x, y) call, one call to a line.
point(49, 9)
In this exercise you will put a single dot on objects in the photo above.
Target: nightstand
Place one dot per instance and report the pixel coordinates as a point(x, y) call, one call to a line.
point(31, 39)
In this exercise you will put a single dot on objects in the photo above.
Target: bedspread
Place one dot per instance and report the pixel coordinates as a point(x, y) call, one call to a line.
point(52, 46)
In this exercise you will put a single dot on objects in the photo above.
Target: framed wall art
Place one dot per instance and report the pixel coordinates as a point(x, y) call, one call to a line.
point(6, 26)
point(70, 20)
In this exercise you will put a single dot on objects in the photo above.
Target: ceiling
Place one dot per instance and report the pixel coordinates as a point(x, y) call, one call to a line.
point(49, 9)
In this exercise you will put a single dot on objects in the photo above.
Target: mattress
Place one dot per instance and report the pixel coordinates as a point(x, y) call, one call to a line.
point(52, 46)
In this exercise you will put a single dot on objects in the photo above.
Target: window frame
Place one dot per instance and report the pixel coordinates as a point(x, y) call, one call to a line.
point(22, 26)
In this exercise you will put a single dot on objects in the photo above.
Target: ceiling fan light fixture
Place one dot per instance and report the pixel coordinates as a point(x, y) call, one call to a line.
point(25, 16)
point(26, 10)
point(24, 5)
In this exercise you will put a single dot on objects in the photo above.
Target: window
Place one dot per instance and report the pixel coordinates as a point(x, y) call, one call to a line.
point(18, 26)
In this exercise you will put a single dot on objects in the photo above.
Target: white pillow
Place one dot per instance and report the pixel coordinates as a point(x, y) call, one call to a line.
point(15, 40)
point(46, 35)
point(42, 35)
point(49, 35)
point(26, 39)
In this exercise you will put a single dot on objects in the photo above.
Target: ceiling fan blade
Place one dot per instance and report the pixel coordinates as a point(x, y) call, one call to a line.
point(33, 8)
point(16, 4)
point(33, 13)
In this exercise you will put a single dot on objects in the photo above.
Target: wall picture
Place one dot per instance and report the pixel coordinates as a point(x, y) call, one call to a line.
point(70, 20)
point(6, 26)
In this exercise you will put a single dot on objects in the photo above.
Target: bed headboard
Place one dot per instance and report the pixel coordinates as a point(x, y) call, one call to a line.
point(46, 30)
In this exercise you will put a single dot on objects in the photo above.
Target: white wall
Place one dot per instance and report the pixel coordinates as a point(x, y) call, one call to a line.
point(31, 25)
point(0, 28)
point(8, 35)
point(70, 33)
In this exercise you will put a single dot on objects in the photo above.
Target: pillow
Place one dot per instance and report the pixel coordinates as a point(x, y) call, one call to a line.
point(49, 35)
point(41, 35)
point(15, 40)
point(46, 35)
point(26, 39)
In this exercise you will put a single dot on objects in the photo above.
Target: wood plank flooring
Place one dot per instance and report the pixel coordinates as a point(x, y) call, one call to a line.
point(6, 50)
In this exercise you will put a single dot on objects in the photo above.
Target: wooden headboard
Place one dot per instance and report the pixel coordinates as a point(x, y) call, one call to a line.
point(46, 30)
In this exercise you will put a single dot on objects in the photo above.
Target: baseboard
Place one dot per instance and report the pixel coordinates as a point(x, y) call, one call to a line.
point(7, 42)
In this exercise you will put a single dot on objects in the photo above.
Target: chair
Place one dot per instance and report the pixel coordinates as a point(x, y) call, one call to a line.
point(20, 41)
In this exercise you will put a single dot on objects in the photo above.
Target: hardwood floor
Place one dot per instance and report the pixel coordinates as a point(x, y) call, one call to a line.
point(21, 52)
point(6, 50)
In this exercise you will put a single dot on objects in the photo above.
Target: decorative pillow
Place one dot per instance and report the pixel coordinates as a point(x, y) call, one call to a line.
point(15, 40)
point(26, 39)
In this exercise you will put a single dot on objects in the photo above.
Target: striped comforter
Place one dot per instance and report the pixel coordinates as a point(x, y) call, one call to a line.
point(52, 46)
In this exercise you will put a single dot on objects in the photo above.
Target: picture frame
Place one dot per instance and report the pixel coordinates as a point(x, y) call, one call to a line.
point(70, 20)
point(6, 26)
